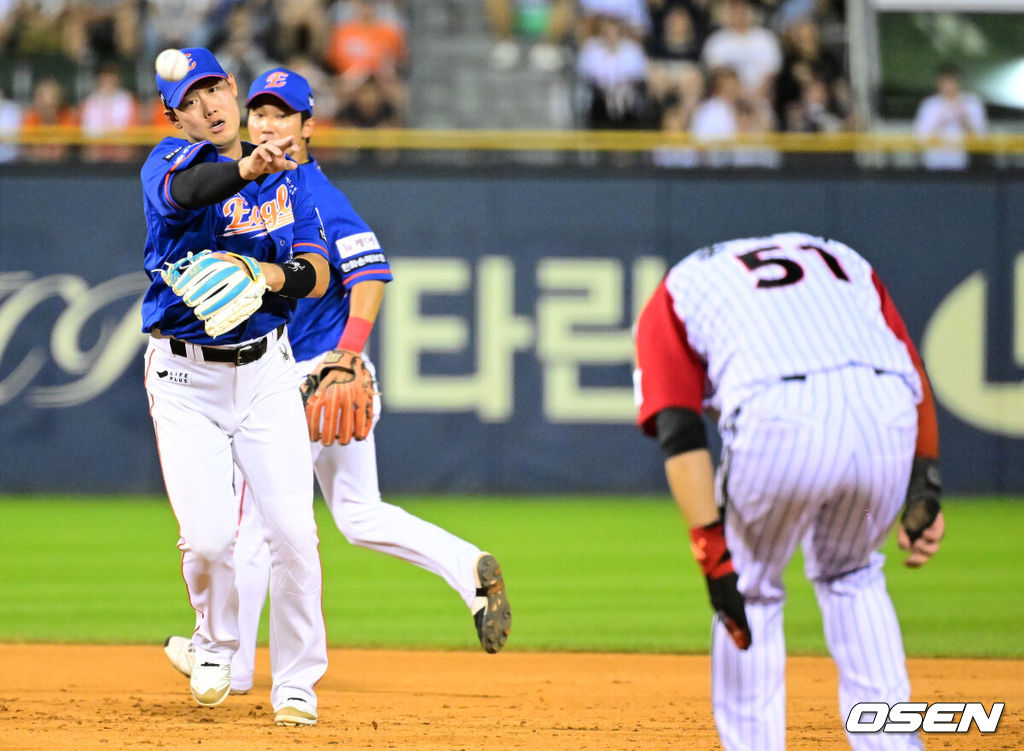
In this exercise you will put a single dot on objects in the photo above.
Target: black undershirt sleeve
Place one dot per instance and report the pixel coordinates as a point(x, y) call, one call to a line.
point(679, 430)
point(207, 183)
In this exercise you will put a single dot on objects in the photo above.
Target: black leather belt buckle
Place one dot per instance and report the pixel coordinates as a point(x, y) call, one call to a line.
point(250, 352)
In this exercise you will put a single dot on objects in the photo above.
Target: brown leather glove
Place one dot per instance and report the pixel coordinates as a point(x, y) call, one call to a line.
point(339, 399)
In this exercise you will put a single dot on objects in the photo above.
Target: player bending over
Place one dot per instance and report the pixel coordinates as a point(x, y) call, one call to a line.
point(828, 429)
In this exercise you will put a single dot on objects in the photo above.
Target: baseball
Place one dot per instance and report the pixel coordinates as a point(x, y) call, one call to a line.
point(171, 65)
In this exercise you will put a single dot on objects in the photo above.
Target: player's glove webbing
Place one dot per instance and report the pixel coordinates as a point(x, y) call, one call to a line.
point(709, 548)
point(221, 294)
point(339, 399)
point(923, 492)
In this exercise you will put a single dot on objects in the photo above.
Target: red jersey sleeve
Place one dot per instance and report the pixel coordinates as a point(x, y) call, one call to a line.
point(927, 420)
point(669, 373)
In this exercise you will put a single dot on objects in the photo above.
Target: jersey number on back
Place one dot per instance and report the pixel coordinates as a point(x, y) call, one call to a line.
point(793, 272)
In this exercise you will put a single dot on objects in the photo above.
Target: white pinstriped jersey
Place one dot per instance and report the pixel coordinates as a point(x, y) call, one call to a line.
point(758, 309)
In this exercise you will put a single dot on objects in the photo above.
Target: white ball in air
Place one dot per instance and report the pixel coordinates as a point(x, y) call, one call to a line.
point(171, 65)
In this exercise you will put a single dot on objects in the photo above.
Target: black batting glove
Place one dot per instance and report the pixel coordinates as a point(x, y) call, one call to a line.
point(923, 493)
point(709, 548)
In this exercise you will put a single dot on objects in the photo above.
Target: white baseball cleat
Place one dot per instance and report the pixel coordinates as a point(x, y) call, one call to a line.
point(181, 653)
point(491, 613)
point(210, 683)
point(295, 711)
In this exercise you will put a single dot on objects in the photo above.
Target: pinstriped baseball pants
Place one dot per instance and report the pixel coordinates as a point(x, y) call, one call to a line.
point(822, 461)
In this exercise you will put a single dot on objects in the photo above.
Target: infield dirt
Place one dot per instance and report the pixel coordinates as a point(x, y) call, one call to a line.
point(81, 698)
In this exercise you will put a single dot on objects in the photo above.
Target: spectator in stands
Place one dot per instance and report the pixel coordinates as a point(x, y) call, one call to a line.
point(107, 109)
point(673, 68)
point(748, 48)
point(299, 27)
point(806, 60)
point(366, 44)
point(815, 110)
point(946, 118)
point(725, 115)
point(632, 14)
point(10, 125)
point(368, 107)
point(613, 67)
point(715, 117)
point(47, 110)
point(677, 33)
point(43, 39)
point(543, 25)
point(698, 10)
point(109, 30)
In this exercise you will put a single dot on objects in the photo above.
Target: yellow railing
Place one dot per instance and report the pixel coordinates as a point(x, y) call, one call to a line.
point(545, 140)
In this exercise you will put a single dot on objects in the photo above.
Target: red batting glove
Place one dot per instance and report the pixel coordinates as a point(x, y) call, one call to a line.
point(709, 548)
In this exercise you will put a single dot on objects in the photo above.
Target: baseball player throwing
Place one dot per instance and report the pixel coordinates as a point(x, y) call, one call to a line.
point(828, 429)
point(336, 327)
point(220, 378)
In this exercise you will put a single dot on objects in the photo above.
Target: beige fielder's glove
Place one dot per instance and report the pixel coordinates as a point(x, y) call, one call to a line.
point(339, 399)
point(221, 293)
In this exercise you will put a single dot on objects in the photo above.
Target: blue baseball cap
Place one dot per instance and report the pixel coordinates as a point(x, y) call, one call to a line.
point(202, 65)
point(286, 85)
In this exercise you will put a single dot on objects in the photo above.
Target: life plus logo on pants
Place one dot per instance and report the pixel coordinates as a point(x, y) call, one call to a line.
point(911, 716)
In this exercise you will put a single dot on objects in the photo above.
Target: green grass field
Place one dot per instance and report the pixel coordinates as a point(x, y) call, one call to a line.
point(602, 574)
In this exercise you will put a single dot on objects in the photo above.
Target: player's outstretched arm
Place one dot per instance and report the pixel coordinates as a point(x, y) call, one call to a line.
point(206, 183)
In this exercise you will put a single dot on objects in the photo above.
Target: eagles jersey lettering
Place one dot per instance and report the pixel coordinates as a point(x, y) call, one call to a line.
point(269, 220)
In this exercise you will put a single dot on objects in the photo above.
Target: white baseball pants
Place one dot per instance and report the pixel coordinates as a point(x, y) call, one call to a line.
point(348, 480)
point(825, 462)
point(209, 417)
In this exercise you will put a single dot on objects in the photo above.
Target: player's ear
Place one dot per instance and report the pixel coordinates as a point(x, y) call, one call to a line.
point(233, 85)
point(172, 117)
point(307, 128)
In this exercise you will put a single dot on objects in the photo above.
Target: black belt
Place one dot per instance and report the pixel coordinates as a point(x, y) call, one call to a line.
point(243, 355)
point(803, 376)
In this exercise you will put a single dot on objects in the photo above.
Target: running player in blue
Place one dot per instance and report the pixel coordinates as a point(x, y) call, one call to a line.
point(281, 106)
point(231, 399)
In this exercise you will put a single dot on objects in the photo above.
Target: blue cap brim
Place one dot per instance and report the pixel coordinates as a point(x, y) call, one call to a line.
point(187, 83)
point(277, 95)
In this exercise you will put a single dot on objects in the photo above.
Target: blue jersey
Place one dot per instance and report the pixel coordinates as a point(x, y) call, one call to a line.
point(355, 256)
point(269, 221)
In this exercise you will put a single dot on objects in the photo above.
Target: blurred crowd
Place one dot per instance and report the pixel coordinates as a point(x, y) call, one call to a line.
point(715, 69)
point(90, 62)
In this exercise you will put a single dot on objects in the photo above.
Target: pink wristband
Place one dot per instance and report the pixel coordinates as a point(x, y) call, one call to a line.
point(356, 332)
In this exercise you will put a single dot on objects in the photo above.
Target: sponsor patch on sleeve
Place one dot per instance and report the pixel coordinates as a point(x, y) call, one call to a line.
point(171, 155)
point(360, 243)
point(358, 263)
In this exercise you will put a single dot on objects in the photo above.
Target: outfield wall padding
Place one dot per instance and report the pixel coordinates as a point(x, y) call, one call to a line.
point(504, 348)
